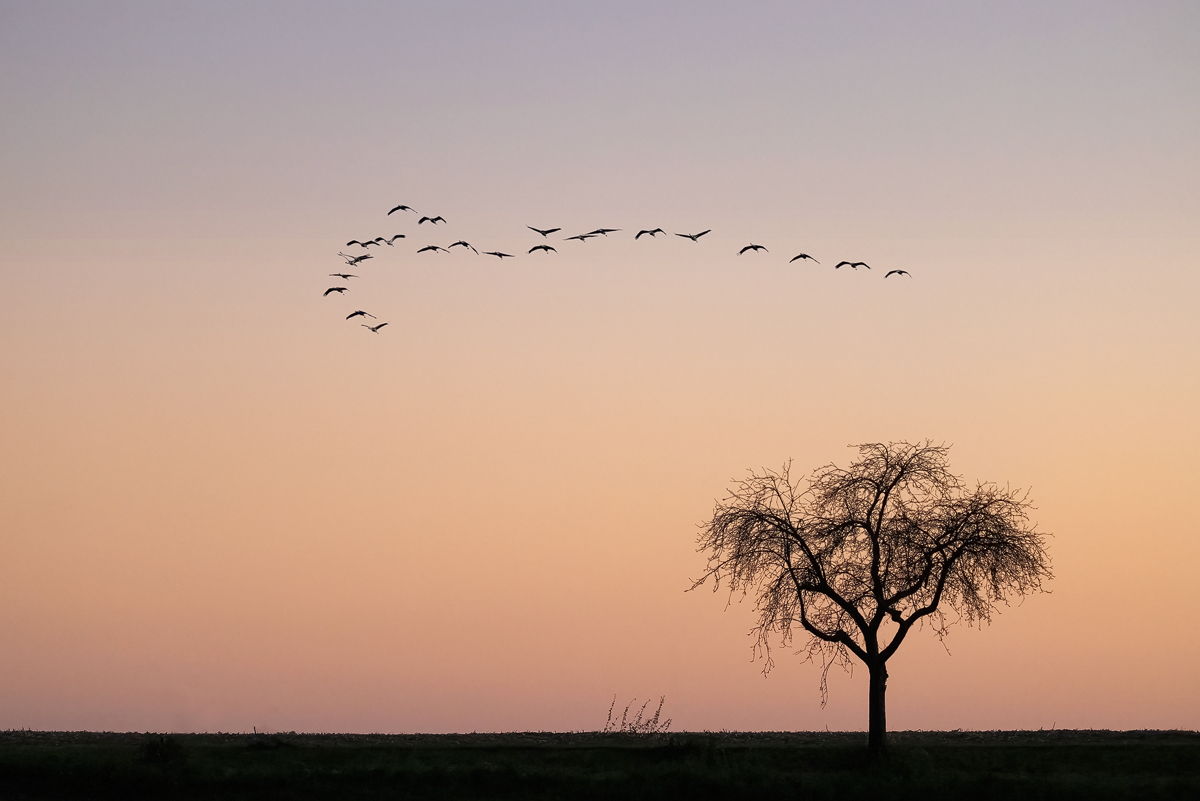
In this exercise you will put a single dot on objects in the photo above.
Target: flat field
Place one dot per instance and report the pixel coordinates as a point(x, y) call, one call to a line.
point(540, 765)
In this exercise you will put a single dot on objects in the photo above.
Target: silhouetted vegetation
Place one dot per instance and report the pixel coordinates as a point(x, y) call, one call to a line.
point(727, 765)
point(858, 556)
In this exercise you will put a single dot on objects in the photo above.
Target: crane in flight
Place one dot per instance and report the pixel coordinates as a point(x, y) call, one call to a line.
point(852, 264)
point(653, 233)
point(354, 260)
point(547, 232)
point(498, 254)
point(695, 237)
point(603, 231)
point(753, 247)
point(374, 329)
point(546, 248)
point(802, 256)
point(434, 220)
point(337, 289)
point(360, 313)
point(464, 244)
point(433, 248)
point(580, 237)
point(343, 276)
point(391, 242)
point(366, 244)
point(402, 207)
point(898, 272)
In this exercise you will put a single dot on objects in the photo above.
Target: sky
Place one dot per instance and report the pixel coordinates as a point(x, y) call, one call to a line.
point(225, 506)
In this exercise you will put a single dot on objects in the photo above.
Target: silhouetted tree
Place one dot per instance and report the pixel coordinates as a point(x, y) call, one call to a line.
point(862, 554)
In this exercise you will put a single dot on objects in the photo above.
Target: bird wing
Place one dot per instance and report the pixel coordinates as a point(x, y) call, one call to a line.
point(423, 220)
point(334, 289)
point(438, 219)
point(354, 242)
point(702, 233)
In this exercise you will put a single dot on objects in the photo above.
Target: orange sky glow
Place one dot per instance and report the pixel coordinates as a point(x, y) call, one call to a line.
point(222, 505)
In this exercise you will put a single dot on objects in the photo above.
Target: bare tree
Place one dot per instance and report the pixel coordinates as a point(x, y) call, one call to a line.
point(863, 554)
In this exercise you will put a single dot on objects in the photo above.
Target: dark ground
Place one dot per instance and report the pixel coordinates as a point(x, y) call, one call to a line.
point(725, 765)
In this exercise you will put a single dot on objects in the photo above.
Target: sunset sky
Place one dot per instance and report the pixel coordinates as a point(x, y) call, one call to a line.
point(223, 505)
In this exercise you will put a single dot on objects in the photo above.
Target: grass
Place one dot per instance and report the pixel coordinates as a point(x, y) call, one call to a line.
point(726, 765)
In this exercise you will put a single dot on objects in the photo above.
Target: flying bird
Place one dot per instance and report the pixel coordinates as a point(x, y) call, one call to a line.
point(391, 242)
point(547, 232)
point(354, 260)
point(360, 244)
point(753, 247)
point(655, 232)
point(360, 313)
point(338, 289)
point(899, 272)
point(434, 220)
point(853, 264)
point(498, 254)
point(546, 248)
point(465, 244)
point(802, 256)
point(604, 231)
point(580, 237)
point(432, 247)
point(403, 208)
point(695, 237)
point(343, 276)
point(374, 328)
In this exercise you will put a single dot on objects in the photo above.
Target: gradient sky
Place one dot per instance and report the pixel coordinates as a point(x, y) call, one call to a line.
point(223, 506)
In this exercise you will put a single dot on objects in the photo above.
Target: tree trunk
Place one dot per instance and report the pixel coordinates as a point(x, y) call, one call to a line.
point(876, 715)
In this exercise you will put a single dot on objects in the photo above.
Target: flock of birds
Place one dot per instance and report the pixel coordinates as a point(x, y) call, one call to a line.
point(354, 260)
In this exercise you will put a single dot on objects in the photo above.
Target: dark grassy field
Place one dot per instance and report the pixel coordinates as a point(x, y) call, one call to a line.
point(726, 765)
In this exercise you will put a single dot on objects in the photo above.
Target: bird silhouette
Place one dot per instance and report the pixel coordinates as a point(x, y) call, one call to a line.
point(753, 247)
point(402, 208)
point(852, 264)
point(695, 237)
point(432, 247)
point(360, 244)
point(580, 237)
point(547, 232)
point(603, 231)
point(434, 220)
point(353, 261)
point(899, 272)
point(360, 313)
point(655, 232)
point(374, 328)
point(465, 245)
point(343, 276)
point(498, 254)
point(391, 242)
point(338, 289)
point(546, 248)
point(802, 256)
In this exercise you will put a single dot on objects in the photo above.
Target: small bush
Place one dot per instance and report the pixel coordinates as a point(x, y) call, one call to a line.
point(640, 724)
